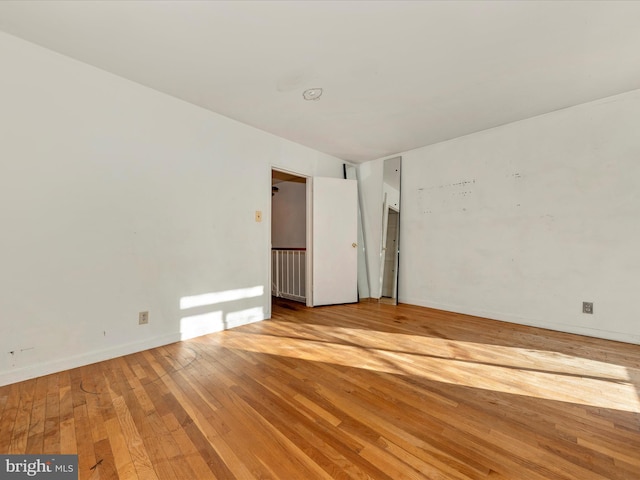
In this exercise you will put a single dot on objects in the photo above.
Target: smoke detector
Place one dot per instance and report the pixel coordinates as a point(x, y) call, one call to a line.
point(312, 94)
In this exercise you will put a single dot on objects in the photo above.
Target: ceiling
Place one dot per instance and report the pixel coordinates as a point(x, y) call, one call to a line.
point(395, 75)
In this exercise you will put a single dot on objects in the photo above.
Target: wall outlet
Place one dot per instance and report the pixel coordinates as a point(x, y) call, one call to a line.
point(143, 318)
point(258, 215)
point(587, 307)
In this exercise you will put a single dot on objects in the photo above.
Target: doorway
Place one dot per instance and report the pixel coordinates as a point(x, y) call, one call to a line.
point(289, 236)
point(328, 273)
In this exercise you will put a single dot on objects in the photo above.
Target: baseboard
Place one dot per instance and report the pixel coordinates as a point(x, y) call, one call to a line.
point(502, 317)
point(40, 369)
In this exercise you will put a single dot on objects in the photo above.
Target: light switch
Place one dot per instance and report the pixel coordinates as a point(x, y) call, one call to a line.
point(258, 215)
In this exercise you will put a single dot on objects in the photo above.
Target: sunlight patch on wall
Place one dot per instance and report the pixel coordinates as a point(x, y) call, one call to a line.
point(243, 317)
point(214, 298)
point(197, 325)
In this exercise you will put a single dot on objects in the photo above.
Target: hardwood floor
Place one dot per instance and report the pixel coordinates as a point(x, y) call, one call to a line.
point(346, 392)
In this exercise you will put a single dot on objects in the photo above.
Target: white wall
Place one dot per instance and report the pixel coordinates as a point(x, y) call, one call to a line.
point(115, 199)
point(526, 221)
point(289, 216)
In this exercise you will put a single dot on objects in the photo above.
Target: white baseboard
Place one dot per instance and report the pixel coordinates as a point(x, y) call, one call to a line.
point(559, 327)
point(40, 369)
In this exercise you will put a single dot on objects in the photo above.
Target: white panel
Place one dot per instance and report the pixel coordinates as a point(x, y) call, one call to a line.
point(335, 261)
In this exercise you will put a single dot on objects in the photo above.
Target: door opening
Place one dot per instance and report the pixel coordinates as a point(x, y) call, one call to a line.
point(288, 236)
point(313, 239)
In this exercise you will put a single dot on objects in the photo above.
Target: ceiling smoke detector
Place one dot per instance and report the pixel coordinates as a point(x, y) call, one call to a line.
point(312, 94)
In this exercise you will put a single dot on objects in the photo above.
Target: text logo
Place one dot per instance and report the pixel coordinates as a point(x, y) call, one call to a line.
point(43, 467)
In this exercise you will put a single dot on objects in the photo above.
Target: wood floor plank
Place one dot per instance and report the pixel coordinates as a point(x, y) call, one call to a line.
point(85, 446)
point(297, 430)
point(197, 414)
point(106, 468)
point(122, 461)
point(7, 420)
point(18, 417)
point(68, 444)
point(135, 445)
point(360, 391)
point(256, 404)
point(52, 417)
point(188, 452)
point(35, 440)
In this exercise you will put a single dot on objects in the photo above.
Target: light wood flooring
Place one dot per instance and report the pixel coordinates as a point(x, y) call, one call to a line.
point(347, 392)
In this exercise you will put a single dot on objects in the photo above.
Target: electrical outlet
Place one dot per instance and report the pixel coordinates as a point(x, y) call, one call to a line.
point(587, 307)
point(143, 318)
point(258, 215)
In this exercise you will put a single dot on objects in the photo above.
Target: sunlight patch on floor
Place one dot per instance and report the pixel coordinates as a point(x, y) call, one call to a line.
point(507, 356)
point(534, 373)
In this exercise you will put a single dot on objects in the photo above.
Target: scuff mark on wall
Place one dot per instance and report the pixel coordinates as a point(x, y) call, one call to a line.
point(449, 185)
point(445, 198)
